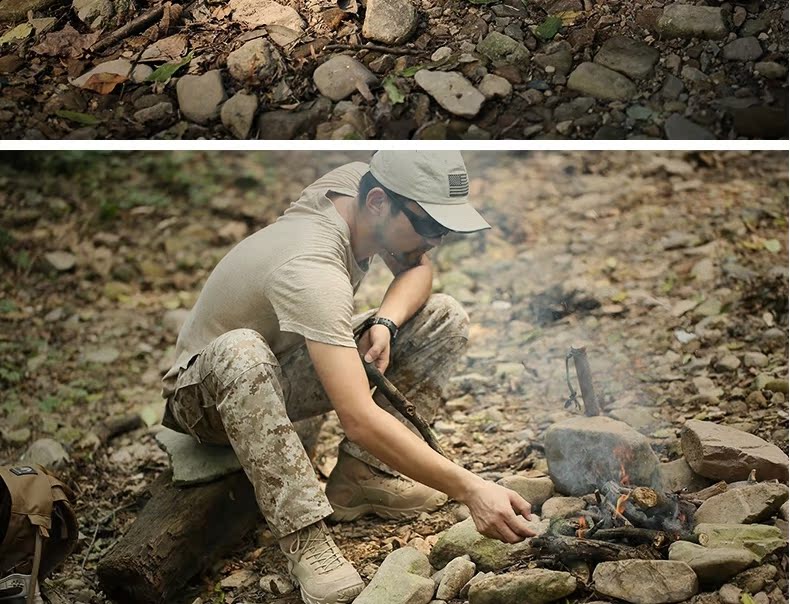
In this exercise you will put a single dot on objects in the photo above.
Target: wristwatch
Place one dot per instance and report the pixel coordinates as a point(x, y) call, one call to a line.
point(389, 324)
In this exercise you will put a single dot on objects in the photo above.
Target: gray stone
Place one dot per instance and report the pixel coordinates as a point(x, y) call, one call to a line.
point(501, 48)
point(403, 578)
point(678, 127)
point(755, 359)
point(724, 453)
point(91, 12)
point(646, 581)
point(771, 70)
point(573, 109)
point(563, 507)
point(783, 511)
point(558, 55)
point(742, 49)
point(672, 88)
point(535, 490)
point(155, 113)
point(255, 60)
point(339, 77)
point(584, 452)
point(455, 575)
point(61, 261)
point(495, 86)
point(601, 82)
point(759, 539)
point(487, 554)
point(744, 505)
point(729, 362)
point(389, 21)
point(102, 356)
point(452, 91)
point(200, 97)
point(678, 476)
point(193, 462)
point(689, 21)
point(712, 565)
point(755, 579)
point(631, 57)
point(730, 594)
point(282, 124)
point(639, 418)
point(533, 586)
point(46, 452)
point(15, 437)
point(141, 72)
point(238, 113)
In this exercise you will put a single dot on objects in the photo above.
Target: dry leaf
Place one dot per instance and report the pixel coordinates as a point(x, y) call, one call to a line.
point(104, 83)
point(165, 50)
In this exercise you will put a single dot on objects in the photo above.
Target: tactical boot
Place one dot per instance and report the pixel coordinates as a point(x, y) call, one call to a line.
point(318, 567)
point(355, 489)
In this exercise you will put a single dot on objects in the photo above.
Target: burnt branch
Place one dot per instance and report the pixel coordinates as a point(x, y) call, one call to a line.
point(572, 548)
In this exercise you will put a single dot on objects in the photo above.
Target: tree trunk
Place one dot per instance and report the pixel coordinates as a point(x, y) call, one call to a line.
point(180, 532)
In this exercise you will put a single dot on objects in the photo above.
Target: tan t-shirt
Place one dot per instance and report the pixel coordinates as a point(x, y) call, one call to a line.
point(292, 280)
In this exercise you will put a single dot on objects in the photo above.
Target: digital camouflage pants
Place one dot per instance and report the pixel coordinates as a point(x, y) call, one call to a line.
point(235, 391)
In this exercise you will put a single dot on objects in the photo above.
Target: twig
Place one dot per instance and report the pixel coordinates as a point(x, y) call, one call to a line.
point(571, 548)
point(119, 425)
point(400, 403)
point(584, 375)
point(653, 537)
point(377, 48)
point(149, 17)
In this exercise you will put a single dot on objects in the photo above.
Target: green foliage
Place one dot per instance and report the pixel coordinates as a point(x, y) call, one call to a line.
point(9, 375)
point(549, 28)
point(7, 306)
point(390, 85)
point(168, 70)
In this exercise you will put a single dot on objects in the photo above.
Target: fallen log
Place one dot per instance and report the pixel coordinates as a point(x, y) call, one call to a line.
point(179, 533)
point(571, 548)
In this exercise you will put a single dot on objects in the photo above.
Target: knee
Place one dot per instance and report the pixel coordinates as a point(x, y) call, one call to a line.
point(448, 314)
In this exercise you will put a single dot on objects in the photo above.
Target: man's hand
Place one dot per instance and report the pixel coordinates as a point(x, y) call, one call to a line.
point(375, 346)
point(499, 513)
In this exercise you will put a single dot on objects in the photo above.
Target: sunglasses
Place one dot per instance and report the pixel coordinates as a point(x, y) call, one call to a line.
point(425, 226)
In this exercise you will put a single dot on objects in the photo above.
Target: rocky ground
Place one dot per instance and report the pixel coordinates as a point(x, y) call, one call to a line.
point(670, 268)
point(394, 69)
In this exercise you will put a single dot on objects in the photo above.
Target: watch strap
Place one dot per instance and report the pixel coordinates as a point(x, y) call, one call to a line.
point(388, 323)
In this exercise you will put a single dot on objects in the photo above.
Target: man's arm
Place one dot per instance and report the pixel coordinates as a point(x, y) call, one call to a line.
point(343, 377)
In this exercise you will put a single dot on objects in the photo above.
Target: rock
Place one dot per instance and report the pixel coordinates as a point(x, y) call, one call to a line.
point(389, 21)
point(90, 12)
point(116, 67)
point(573, 109)
point(742, 49)
point(771, 70)
point(584, 452)
point(759, 539)
point(452, 91)
point(276, 584)
point(724, 453)
point(455, 575)
point(240, 578)
point(257, 13)
point(339, 77)
point(254, 61)
point(558, 55)
point(672, 88)
point(403, 578)
point(744, 505)
point(730, 594)
point(534, 586)
point(563, 507)
point(600, 82)
point(728, 362)
point(46, 452)
point(534, 490)
point(639, 418)
point(141, 72)
point(783, 511)
point(755, 359)
point(15, 437)
point(712, 565)
point(487, 554)
point(200, 97)
point(501, 48)
point(646, 581)
point(102, 356)
point(777, 386)
point(193, 462)
point(61, 261)
point(160, 112)
point(495, 86)
point(678, 476)
point(238, 113)
point(688, 21)
point(630, 57)
point(678, 127)
point(282, 124)
point(755, 579)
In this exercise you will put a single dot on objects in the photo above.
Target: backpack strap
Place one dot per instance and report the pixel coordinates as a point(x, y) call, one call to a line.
point(36, 565)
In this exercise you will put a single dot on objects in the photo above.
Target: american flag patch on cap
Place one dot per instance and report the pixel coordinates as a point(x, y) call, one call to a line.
point(459, 185)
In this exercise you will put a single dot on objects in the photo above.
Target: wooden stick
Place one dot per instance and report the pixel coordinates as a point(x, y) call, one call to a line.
point(584, 375)
point(571, 548)
point(653, 537)
point(403, 406)
point(377, 48)
point(116, 426)
point(149, 17)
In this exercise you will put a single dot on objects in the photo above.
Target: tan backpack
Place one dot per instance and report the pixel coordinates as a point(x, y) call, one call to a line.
point(38, 528)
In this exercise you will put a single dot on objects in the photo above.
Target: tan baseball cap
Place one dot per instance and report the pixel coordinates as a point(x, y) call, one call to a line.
point(436, 180)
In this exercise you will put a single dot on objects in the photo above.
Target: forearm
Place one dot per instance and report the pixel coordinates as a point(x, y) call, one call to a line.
point(393, 443)
point(407, 293)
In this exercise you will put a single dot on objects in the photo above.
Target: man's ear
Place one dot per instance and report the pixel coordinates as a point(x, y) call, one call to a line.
point(377, 202)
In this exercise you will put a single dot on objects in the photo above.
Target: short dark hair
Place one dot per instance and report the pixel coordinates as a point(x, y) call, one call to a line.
point(368, 182)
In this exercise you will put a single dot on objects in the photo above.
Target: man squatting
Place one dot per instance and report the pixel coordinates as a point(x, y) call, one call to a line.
point(272, 339)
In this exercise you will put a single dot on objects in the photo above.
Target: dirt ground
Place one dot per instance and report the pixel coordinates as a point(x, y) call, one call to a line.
point(733, 86)
point(625, 253)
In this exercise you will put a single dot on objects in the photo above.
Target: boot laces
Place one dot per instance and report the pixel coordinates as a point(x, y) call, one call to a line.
point(319, 549)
